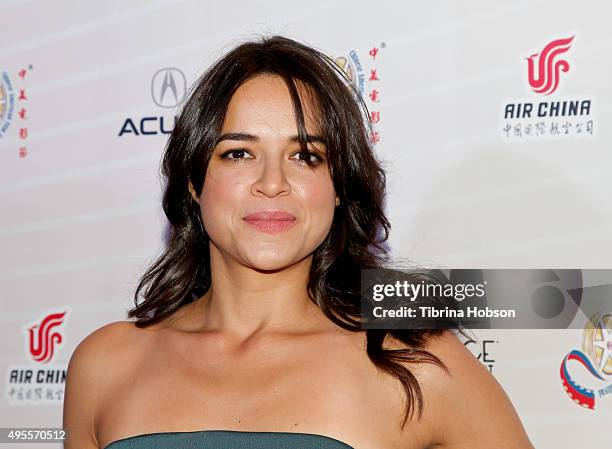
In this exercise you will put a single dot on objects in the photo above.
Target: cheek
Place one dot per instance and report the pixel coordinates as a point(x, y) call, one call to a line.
point(220, 195)
point(319, 198)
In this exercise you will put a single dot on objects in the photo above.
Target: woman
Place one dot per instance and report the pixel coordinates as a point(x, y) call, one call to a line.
point(249, 334)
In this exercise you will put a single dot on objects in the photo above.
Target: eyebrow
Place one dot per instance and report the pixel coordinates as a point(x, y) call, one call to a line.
point(252, 138)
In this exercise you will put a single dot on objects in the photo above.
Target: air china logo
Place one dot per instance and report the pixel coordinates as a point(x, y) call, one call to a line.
point(595, 358)
point(44, 336)
point(39, 382)
point(558, 117)
point(168, 90)
point(544, 68)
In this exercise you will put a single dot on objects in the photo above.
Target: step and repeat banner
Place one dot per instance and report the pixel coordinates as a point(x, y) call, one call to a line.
point(493, 119)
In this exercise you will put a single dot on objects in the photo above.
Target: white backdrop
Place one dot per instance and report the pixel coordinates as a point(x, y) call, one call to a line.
point(80, 199)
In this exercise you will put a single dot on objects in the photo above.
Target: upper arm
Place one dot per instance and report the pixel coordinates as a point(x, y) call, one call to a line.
point(466, 408)
point(86, 382)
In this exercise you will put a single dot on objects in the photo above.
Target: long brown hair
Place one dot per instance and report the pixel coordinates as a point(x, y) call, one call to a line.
point(359, 228)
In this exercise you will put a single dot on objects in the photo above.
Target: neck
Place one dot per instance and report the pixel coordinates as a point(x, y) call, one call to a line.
point(244, 302)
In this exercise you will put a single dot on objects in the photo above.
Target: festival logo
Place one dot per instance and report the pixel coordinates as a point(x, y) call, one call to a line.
point(595, 358)
point(544, 68)
point(528, 119)
point(353, 69)
point(363, 81)
point(39, 382)
point(7, 103)
point(168, 90)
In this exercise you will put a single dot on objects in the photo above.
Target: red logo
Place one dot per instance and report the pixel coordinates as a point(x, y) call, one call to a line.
point(549, 67)
point(43, 337)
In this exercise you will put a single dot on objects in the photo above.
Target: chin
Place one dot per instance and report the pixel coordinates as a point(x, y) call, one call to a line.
point(271, 263)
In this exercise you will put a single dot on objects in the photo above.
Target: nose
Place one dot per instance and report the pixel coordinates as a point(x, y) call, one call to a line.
point(271, 180)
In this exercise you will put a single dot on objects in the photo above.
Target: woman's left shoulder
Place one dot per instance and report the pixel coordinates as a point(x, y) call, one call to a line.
point(464, 406)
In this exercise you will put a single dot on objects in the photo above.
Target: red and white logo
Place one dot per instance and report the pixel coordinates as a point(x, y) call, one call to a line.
point(544, 68)
point(44, 336)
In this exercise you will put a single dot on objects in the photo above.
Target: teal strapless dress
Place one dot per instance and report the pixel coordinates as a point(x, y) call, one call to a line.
point(228, 439)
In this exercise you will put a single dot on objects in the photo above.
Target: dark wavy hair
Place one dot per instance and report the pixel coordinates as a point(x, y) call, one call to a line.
point(359, 228)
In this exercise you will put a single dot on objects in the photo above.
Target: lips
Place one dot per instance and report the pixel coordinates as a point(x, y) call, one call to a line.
point(278, 215)
point(271, 221)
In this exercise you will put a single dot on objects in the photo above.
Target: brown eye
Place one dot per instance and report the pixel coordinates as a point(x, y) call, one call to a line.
point(236, 153)
point(309, 157)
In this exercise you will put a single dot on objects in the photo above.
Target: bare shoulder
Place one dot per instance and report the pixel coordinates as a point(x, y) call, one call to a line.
point(464, 406)
point(97, 360)
point(103, 346)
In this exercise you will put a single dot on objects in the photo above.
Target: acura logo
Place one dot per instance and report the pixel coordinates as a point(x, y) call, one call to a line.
point(168, 87)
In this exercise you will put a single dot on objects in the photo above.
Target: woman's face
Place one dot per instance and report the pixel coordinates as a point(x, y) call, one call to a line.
point(258, 167)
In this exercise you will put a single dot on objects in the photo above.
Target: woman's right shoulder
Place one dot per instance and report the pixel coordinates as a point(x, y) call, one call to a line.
point(115, 329)
point(109, 346)
point(106, 340)
point(100, 352)
point(97, 365)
